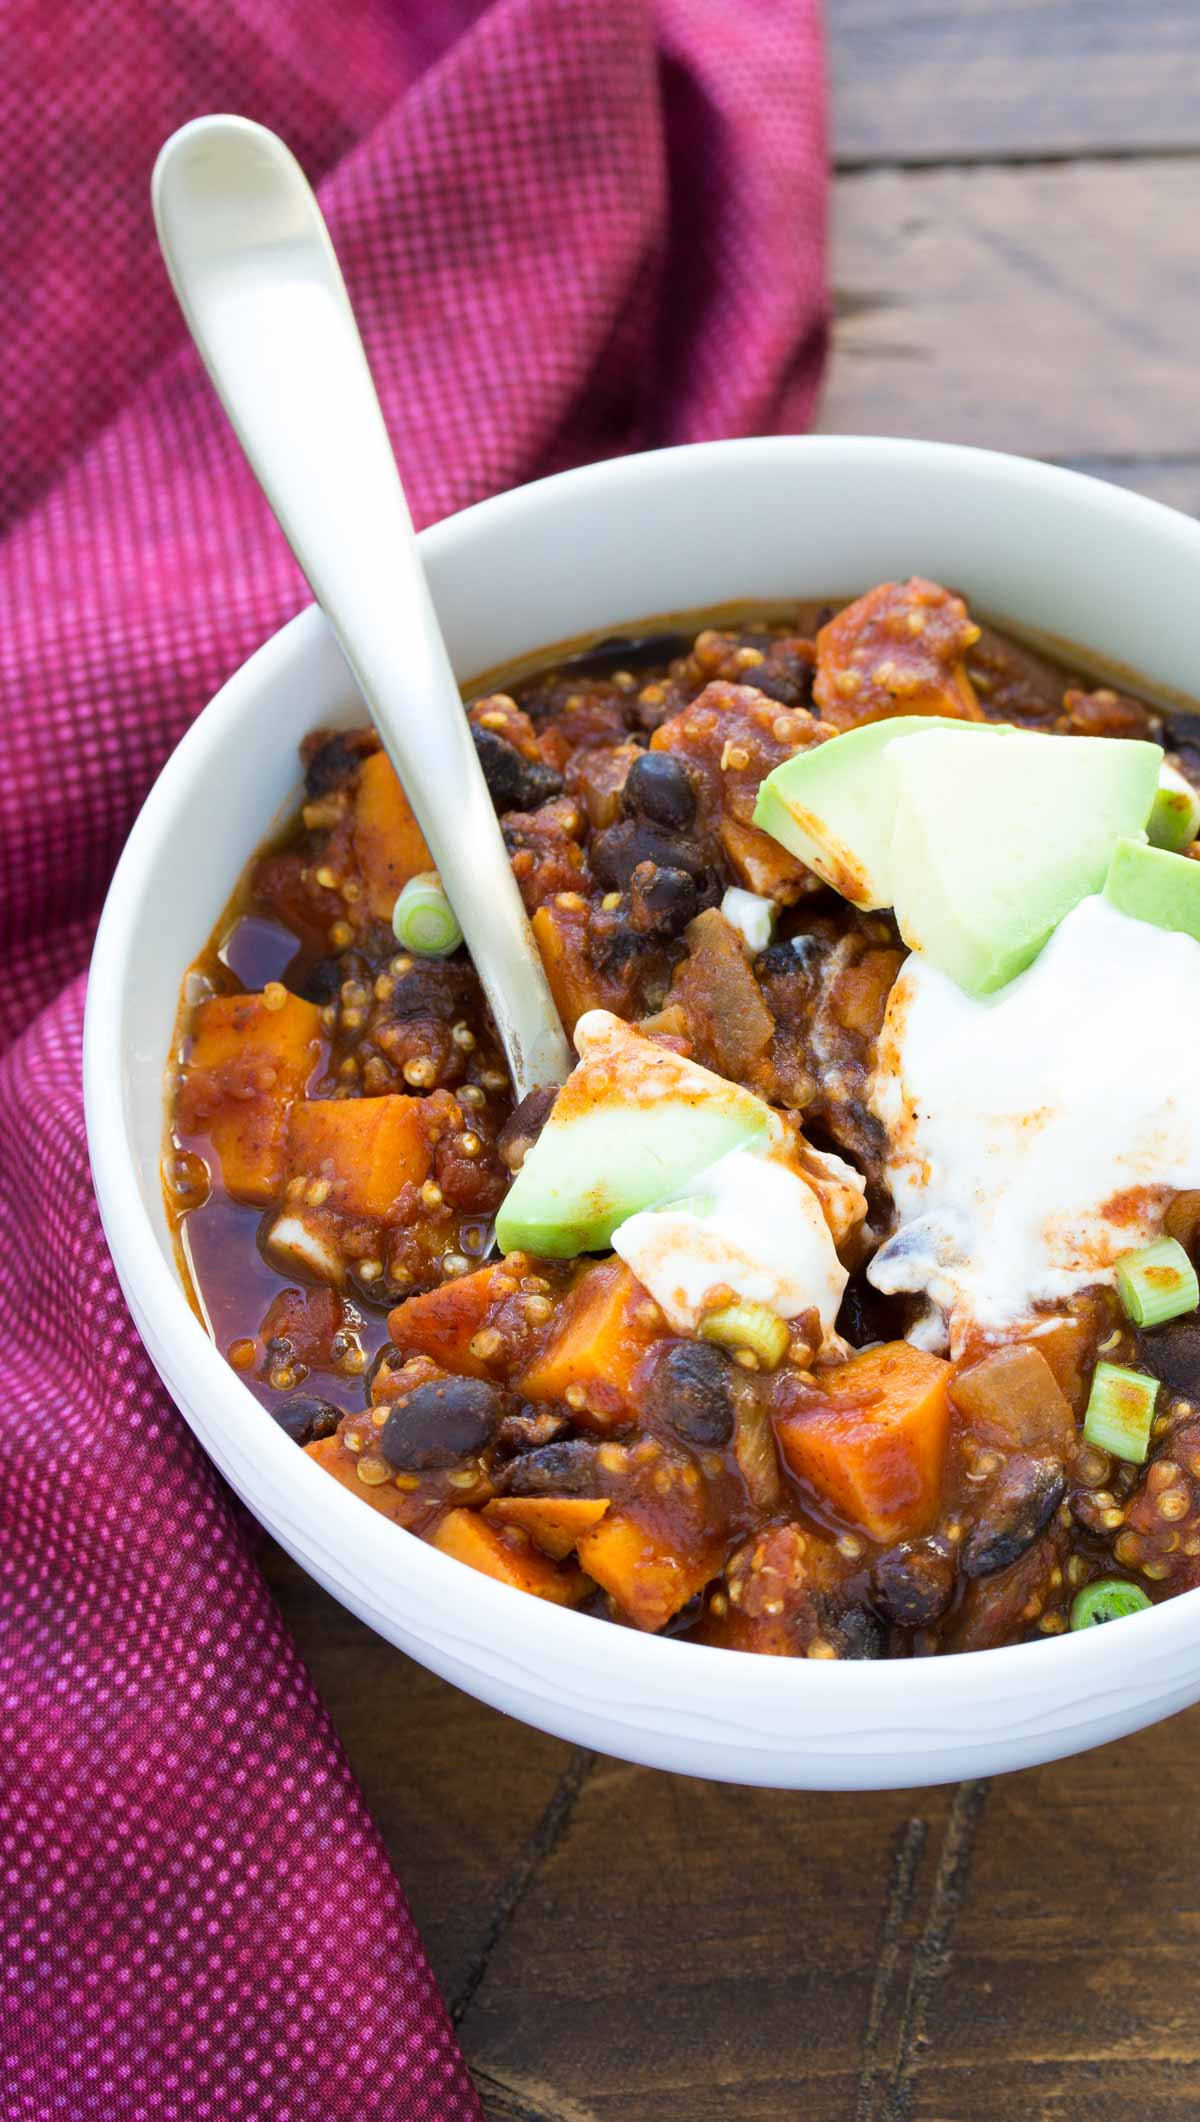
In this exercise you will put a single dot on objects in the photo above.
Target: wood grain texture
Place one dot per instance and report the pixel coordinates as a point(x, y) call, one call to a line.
point(1047, 310)
point(623, 1946)
point(919, 81)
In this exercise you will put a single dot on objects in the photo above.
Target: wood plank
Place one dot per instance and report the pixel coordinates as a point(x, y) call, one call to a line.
point(697, 1950)
point(1079, 1934)
point(977, 79)
point(1050, 310)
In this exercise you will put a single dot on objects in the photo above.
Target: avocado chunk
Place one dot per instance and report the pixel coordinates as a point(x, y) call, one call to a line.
point(633, 1124)
point(1174, 819)
point(1154, 885)
point(832, 807)
point(993, 846)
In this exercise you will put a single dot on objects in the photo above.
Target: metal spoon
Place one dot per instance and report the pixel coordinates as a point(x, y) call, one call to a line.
point(252, 264)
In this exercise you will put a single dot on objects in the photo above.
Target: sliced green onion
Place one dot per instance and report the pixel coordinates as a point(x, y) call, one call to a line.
point(1174, 819)
point(423, 918)
point(1120, 1410)
point(1157, 1283)
point(751, 1326)
point(1108, 1599)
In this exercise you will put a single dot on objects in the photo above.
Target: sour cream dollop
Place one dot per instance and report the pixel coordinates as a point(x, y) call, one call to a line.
point(752, 1228)
point(1036, 1134)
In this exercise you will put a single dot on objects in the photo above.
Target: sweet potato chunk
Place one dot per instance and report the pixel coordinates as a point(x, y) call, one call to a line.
point(246, 1065)
point(413, 1508)
point(897, 651)
point(1011, 1398)
point(602, 1332)
point(555, 1523)
point(870, 1438)
point(644, 1568)
point(442, 1322)
point(388, 843)
point(506, 1553)
point(562, 940)
point(367, 1148)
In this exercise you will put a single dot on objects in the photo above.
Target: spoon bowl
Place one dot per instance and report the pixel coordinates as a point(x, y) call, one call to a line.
point(253, 266)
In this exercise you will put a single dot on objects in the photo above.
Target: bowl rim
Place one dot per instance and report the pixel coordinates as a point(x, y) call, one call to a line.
point(325, 1519)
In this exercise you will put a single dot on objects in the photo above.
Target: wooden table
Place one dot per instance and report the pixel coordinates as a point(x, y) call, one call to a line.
point(1017, 258)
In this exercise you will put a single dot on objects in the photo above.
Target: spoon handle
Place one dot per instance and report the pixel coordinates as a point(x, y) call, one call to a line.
point(254, 269)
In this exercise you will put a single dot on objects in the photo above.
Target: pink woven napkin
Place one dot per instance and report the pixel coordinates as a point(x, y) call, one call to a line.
point(569, 229)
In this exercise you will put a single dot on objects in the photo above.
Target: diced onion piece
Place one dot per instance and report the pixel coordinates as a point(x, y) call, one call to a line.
point(1108, 1599)
point(1157, 1283)
point(752, 916)
point(423, 919)
point(1174, 819)
point(1120, 1411)
point(750, 1326)
point(298, 1241)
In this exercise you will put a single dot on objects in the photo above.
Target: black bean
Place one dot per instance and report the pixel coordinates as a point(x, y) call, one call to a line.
point(523, 1126)
point(433, 988)
point(853, 1630)
point(662, 901)
point(866, 1316)
point(514, 782)
point(323, 980)
point(691, 1390)
point(912, 1586)
point(1019, 1505)
point(305, 1419)
point(612, 949)
point(616, 852)
point(658, 786)
point(332, 766)
point(1181, 734)
point(687, 1617)
point(567, 1469)
point(789, 688)
point(1172, 1352)
point(441, 1423)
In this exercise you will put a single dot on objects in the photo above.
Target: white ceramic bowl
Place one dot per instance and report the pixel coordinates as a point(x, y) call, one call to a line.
point(596, 549)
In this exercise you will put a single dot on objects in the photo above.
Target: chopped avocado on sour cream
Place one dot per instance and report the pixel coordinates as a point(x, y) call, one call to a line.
point(632, 1125)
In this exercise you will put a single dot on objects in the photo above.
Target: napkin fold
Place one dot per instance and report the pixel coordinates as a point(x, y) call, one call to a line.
point(569, 230)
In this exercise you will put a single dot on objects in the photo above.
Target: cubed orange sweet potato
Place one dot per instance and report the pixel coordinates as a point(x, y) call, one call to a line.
point(246, 1065)
point(900, 650)
point(507, 1553)
point(555, 1523)
point(649, 1573)
point(367, 1148)
point(388, 843)
point(442, 1323)
point(870, 1438)
point(412, 1507)
point(599, 1338)
point(562, 941)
